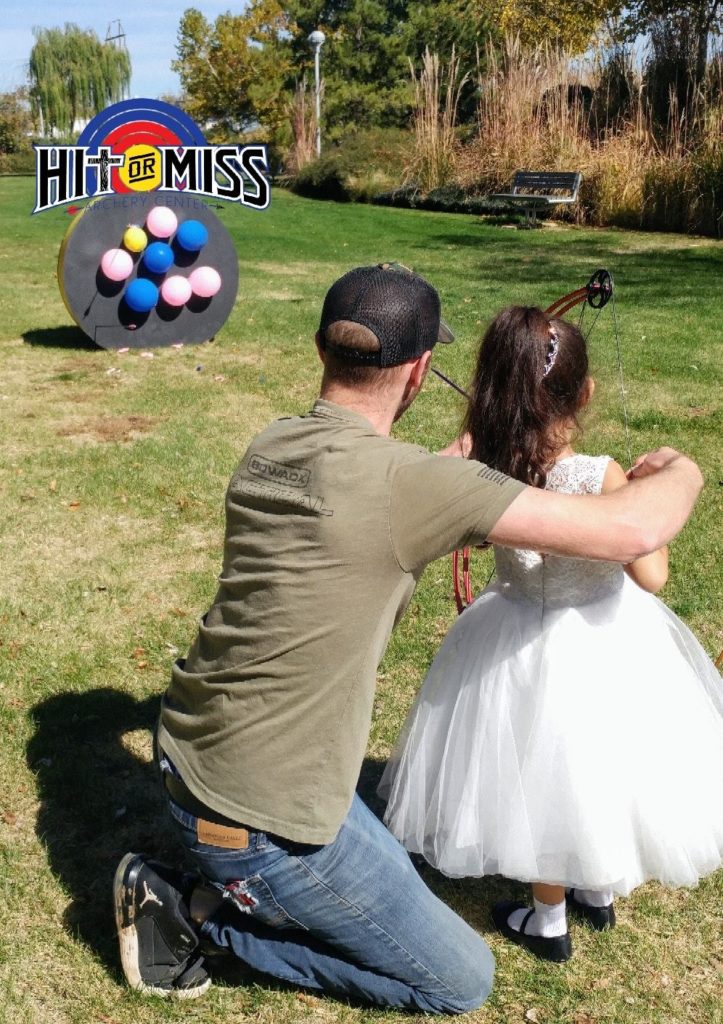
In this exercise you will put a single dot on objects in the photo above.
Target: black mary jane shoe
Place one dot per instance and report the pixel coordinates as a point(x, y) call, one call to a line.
point(557, 949)
point(598, 918)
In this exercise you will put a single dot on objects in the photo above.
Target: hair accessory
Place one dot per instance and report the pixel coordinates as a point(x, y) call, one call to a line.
point(551, 351)
point(395, 304)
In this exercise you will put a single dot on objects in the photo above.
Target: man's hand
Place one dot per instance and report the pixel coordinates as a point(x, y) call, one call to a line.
point(652, 462)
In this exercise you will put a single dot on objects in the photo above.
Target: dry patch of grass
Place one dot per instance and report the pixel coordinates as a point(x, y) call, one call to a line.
point(294, 268)
point(105, 429)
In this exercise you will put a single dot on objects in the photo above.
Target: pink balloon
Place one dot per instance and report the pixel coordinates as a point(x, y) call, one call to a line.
point(116, 264)
point(205, 282)
point(176, 290)
point(161, 222)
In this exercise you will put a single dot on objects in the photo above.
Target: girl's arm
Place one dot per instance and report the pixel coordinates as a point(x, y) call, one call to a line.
point(651, 571)
point(460, 447)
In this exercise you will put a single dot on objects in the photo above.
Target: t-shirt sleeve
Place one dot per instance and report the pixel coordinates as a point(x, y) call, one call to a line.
point(439, 504)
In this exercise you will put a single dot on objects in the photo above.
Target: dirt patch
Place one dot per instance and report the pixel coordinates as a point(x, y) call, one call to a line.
point(110, 428)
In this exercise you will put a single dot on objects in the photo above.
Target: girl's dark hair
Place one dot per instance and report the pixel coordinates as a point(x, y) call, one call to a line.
point(530, 375)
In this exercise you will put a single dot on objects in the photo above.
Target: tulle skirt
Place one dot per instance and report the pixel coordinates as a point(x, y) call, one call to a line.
point(582, 747)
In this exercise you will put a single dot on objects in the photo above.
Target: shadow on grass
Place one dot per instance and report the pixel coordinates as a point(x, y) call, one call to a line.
point(60, 337)
point(99, 799)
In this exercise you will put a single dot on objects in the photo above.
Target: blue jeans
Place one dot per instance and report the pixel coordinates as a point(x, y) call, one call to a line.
point(352, 918)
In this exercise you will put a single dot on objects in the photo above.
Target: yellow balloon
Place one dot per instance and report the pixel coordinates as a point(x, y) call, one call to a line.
point(135, 238)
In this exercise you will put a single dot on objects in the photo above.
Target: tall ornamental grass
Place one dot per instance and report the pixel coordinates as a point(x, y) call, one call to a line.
point(537, 113)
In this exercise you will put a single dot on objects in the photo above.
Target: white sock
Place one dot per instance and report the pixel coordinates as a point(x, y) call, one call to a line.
point(548, 920)
point(594, 897)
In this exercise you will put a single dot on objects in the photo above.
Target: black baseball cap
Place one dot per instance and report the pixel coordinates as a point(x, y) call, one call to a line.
point(395, 304)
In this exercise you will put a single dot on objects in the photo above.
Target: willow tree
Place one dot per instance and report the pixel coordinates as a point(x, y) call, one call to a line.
point(73, 76)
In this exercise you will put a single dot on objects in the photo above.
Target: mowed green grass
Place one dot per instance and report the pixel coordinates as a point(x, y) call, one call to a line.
point(111, 496)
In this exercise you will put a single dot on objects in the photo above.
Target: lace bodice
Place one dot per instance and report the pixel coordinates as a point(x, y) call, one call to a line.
point(548, 578)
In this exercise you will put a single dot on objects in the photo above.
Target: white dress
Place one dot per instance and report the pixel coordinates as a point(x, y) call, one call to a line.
point(570, 731)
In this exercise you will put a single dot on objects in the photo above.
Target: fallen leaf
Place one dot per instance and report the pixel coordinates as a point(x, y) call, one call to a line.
point(53, 485)
point(531, 1015)
point(138, 652)
point(9, 818)
point(74, 505)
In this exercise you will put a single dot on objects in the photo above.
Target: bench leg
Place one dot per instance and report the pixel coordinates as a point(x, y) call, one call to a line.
point(530, 218)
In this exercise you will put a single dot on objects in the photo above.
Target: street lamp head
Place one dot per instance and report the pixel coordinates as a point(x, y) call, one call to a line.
point(316, 39)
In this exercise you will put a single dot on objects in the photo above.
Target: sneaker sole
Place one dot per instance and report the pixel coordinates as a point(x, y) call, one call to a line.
point(123, 884)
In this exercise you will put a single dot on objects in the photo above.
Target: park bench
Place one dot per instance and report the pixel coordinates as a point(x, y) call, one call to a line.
point(539, 190)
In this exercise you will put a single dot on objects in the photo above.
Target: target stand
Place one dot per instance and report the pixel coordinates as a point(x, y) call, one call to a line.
point(115, 287)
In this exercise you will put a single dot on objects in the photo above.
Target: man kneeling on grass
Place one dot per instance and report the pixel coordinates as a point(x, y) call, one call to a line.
point(329, 524)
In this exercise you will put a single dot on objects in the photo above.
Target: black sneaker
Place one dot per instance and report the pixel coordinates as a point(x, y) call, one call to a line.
point(557, 949)
point(157, 939)
point(598, 918)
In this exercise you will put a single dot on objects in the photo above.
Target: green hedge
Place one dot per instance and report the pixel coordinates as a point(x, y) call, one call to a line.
point(22, 162)
point(448, 199)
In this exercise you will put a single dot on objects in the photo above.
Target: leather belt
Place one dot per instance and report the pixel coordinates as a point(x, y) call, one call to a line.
point(212, 828)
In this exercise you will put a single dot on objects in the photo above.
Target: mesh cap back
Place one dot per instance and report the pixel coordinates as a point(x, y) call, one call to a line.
point(400, 308)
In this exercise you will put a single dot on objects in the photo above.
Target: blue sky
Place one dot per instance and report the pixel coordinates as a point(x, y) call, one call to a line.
point(150, 29)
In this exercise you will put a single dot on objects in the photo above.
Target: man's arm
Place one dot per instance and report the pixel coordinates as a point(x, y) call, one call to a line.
point(617, 527)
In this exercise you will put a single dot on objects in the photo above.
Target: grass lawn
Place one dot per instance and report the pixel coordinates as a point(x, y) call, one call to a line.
point(112, 479)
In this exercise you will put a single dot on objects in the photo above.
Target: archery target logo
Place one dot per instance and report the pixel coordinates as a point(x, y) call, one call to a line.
point(134, 130)
point(147, 145)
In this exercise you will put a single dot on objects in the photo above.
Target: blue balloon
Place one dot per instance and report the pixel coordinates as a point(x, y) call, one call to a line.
point(192, 235)
point(158, 257)
point(141, 295)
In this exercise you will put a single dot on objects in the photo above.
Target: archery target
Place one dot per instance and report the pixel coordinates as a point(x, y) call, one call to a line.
point(135, 128)
point(99, 305)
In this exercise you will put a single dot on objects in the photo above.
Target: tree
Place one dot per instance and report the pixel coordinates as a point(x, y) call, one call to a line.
point(463, 26)
point(364, 60)
point(235, 73)
point(443, 25)
point(693, 22)
point(571, 25)
point(73, 76)
point(16, 124)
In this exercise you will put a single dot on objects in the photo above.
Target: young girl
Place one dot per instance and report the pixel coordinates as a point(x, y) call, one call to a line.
point(570, 730)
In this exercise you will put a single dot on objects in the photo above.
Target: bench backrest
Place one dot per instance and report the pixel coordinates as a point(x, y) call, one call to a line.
point(546, 182)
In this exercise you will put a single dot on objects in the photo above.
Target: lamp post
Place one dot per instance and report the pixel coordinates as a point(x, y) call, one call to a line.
point(316, 41)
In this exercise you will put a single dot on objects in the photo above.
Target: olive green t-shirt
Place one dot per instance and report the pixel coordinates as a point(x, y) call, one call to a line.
point(328, 528)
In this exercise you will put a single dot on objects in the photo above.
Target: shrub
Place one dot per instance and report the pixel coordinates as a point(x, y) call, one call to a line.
point(22, 162)
point(359, 167)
